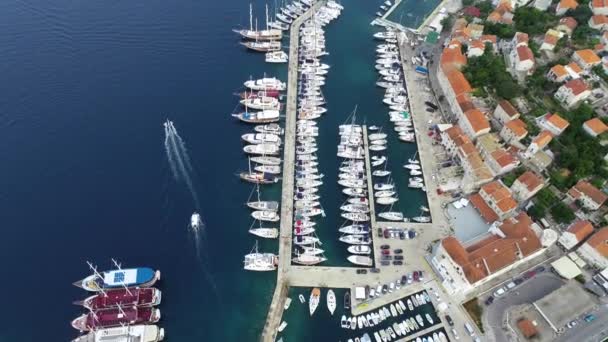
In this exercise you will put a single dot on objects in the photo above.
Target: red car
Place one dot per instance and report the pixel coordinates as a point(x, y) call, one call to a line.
point(386, 252)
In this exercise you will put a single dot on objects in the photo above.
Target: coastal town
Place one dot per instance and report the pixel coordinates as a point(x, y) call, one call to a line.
point(506, 103)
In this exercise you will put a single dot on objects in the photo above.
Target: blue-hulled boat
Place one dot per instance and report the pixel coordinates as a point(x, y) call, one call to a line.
point(119, 278)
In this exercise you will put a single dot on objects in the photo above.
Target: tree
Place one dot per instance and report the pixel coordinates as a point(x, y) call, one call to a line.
point(537, 211)
point(581, 14)
point(533, 21)
point(500, 30)
point(561, 213)
point(584, 36)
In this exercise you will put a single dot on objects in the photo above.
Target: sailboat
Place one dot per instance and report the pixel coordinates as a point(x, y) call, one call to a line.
point(256, 261)
point(262, 205)
point(331, 301)
point(267, 34)
point(313, 302)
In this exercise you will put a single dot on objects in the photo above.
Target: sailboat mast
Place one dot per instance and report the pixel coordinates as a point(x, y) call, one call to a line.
point(250, 17)
point(266, 17)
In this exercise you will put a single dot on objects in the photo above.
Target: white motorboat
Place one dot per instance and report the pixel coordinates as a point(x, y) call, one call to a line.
point(393, 310)
point(386, 200)
point(415, 185)
point(420, 320)
point(276, 57)
point(402, 305)
point(410, 305)
point(354, 229)
point(282, 326)
point(301, 298)
point(266, 84)
point(422, 219)
point(261, 138)
point(331, 301)
point(308, 259)
point(381, 173)
point(311, 250)
point(343, 323)
point(377, 147)
point(383, 186)
point(359, 249)
point(195, 221)
point(271, 169)
point(359, 200)
point(313, 302)
point(355, 217)
point(428, 318)
point(265, 215)
point(416, 179)
point(267, 233)
point(412, 166)
point(385, 193)
point(359, 239)
point(360, 260)
point(309, 212)
point(305, 240)
point(271, 128)
point(415, 172)
point(303, 231)
point(378, 162)
point(355, 208)
point(377, 136)
point(391, 216)
point(258, 117)
point(261, 103)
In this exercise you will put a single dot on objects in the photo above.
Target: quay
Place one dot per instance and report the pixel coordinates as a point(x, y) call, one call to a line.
point(275, 311)
point(390, 10)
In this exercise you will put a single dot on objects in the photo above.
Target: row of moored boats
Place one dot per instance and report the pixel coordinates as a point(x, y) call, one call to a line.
point(310, 106)
point(122, 304)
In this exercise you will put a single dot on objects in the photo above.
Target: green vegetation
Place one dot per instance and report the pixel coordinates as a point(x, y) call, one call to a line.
point(585, 37)
point(475, 311)
point(533, 21)
point(581, 14)
point(561, 213)
point(598, 70)
point(577, 151)
point(489, 71)
point(447, 23)
point(510, 178)
point(580, 278)
point(500, 30)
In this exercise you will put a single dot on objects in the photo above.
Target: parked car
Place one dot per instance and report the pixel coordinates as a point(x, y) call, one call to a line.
point(361, 271)
point(589, 318)
point(499, 292)
point(529, 274)
point(378, 290)
point(385, 262)
point(398, 284)
point(385, 247)
point(402, 235)
point(375, 270)
point(571, 324)
point(449, 319)
point(386, 252)
point(387, 234)
point(372, 293)
point(518, 281)
point(489, 300)
point(511, 285)
point(397, 262)
point(404, 280)
point(430, 110)
point(391, 287)
point(384, 288)
point(387, 257)
point(379, 232)
point(398, 251)
point(398, 257)
point(431, 104)
point(456, 337)
point(420, 275)
point(539, 269)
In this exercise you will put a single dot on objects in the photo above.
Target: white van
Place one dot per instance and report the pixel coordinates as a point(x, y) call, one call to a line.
point(469, 329)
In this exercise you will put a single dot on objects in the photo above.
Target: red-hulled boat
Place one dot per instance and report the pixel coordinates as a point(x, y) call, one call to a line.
point(123, 297)
point(108, 318)
point(260, 93)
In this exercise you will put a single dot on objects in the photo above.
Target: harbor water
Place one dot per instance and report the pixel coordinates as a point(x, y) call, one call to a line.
point(86, 89)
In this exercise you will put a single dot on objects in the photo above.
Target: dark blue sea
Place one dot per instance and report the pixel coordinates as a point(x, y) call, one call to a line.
point(85, 89)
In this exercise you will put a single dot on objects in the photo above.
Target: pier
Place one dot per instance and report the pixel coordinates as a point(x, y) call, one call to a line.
point(275, 311)
point(390, 10)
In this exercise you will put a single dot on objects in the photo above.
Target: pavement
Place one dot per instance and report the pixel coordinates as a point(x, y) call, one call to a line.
point(526, 293)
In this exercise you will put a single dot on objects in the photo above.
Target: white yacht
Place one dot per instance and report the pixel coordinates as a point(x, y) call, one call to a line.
point(140, 333)
point(276, 57)
point(360, 260)
point(256, 261)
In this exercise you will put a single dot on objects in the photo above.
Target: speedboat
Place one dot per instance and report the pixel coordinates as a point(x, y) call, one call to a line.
point(381, 173)
point(195, 221)
point(266, 215)
point(258, 177)
point(331, 301)
point(412, 166)
point(359, 249)
point(422, 219)
point(360, 260)
point(313, 302)
point(391, 216)
point(428, 318)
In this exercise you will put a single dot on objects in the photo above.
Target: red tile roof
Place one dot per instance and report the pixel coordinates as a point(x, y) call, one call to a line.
point(518, 127)
point(581, 229)
point(577, 86)
point(543, 139)
point(557, 121)
point(530, 180)
point(484, 209)
point(500, 195)
point(569, 22)
point(588, 56)
point(494, 253)
point(596, 125)
point(559, 71)
point(477, 120)
point(583, 187)
point(458, 82)
point(508, 108)
point(599, 241)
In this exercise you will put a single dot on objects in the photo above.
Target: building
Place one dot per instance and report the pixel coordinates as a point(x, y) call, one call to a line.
point(589, 196)
point(519, 39)
point(572, 93)
point(561, 73)
point(595, 250)
point(498, 159)
point(505, 112)
point(509, 244)
point(553, 123)
point(456, 89)
point(526, 186)
point(564, 5)
point(502, 14)
point(595, 127)
point(586, 58)
point(538, 144)
point(599, 7)
point(527, 328)
point(452, 56)
point(550, 40)
point(474, 123)
point(575, 234)
point(513, 131)
point(476, 48)
point(452, 138)
point(522, 62)
point(540, 161)
point(598, 22)
point(498, 198)
point(567, 25)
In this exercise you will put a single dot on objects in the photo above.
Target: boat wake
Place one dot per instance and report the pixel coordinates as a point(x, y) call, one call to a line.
point(178, 158)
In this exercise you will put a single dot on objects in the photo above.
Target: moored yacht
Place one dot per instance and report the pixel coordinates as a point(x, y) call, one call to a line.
point(140, 333)
point(256, 261)
point(360, 260)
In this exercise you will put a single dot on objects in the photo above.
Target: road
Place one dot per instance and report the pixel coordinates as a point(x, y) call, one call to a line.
point(593, 331)
point(526, 293)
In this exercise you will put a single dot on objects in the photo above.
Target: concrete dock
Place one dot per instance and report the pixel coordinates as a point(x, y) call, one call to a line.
point(275, 312)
